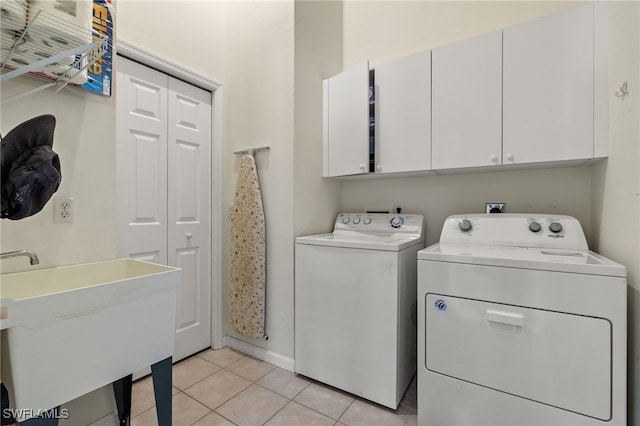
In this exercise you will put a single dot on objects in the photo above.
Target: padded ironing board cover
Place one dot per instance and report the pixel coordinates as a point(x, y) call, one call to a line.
point(248, 254)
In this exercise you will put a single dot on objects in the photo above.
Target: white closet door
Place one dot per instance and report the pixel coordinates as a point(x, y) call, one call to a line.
point(141, 158)
point(163, 193)
point(189, 211)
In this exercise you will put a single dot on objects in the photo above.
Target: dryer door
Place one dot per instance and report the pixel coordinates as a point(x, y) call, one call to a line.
point(554, 358)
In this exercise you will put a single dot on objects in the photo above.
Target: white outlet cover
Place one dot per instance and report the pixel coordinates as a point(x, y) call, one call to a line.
point(63, 208)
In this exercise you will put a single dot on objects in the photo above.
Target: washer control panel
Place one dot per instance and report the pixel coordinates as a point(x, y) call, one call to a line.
point(380, 223)
point(512, 229)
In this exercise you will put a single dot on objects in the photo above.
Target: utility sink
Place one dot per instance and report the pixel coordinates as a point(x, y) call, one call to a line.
point(69, 330)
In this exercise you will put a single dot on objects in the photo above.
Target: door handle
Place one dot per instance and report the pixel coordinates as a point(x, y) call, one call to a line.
point(509, 318)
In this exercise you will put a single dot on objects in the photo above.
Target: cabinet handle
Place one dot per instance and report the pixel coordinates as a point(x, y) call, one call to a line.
point(493, 158)
point(189, 235)
point(510, 157)
point(362, 168)
point(379, 168)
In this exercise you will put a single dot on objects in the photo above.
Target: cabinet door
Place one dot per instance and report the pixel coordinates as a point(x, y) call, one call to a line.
point(467, 103)
point(346, 122)
point(548, 88)
point(403, 114)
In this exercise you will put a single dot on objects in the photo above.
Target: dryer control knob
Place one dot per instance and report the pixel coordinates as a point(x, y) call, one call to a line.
point(356, 220)
point(535, 227)
point(465, 225)
point(345, 219)
point(367, 220)
point(555, 227)
point(396, 222)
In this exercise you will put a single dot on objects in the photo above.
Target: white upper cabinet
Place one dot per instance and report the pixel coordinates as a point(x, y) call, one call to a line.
point(403, 114)
point(346, 122)
point(467, 103)
point(531, 94)
point(549, 88)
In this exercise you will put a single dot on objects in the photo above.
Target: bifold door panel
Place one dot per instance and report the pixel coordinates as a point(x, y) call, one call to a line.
point(163, 188)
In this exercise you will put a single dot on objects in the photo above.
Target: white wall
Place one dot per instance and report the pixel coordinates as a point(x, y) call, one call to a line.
point(83, 139)
point(185, 32)
point(616, 182)
point(381, 30)
point(318, 55)
point(560, 191)
point(259, 110)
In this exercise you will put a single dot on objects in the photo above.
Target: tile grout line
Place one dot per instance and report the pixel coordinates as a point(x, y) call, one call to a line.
point(405, 416)
point(276, 413)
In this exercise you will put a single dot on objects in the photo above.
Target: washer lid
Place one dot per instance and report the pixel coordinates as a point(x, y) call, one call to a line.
point(540, 258)
point(387, 242)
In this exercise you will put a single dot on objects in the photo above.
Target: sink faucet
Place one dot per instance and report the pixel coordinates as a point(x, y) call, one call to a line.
point(33, 258)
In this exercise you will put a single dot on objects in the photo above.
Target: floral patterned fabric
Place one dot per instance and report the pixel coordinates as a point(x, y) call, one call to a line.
point(248, 254)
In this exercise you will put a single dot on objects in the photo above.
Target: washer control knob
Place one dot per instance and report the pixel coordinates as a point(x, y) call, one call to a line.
point(346, 219)
point(396, 222)
point(535, 227)
point(356, 220)
point(465, 225)
point(367, 220)
point(555, 227)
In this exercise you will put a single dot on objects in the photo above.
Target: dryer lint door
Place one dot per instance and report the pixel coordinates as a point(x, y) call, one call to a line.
point(554, 358)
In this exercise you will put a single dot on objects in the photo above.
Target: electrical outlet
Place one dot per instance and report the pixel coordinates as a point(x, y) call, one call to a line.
point(495, 207)
point(63, 209)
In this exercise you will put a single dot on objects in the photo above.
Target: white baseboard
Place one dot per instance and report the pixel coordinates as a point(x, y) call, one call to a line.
point(260, 353)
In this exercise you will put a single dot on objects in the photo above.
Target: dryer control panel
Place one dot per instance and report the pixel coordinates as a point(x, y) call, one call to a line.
point(380, 223)
point(513, 229)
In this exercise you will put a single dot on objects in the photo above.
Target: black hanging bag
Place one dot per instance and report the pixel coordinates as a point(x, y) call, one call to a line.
point(29, 168)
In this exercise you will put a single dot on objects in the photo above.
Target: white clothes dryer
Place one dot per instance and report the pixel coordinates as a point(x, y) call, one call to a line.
point(355, 305)
point(519, 323)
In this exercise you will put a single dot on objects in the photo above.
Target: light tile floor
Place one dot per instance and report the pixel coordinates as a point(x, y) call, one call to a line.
point(226, 387)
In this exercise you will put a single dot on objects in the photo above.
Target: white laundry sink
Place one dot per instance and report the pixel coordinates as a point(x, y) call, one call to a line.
point(69, 330)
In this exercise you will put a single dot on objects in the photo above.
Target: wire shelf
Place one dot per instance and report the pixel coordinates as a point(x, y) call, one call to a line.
point(47, 46)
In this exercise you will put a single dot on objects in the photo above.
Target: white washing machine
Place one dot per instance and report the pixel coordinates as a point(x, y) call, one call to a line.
point(520, 324)
point(355, 305)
